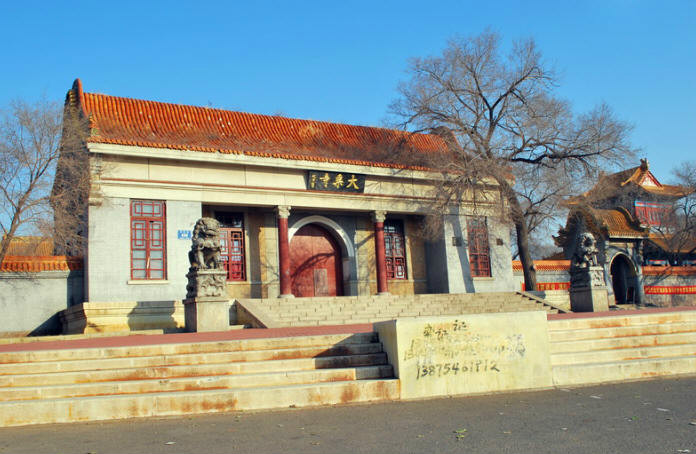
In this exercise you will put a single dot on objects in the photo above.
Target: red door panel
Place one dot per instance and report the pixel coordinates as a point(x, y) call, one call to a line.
point(315, 263)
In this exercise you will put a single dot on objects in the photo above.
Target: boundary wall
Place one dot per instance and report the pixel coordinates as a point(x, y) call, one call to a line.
point(664, 286)
point(33, 290)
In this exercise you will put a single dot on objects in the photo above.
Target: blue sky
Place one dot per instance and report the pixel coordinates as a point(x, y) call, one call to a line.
point(342, 61)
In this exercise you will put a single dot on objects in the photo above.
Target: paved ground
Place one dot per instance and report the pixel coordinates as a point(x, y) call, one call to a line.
point(640, 417)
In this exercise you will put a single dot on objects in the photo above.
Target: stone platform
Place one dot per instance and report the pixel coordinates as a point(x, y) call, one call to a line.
point(98, 378)
point(169, 316)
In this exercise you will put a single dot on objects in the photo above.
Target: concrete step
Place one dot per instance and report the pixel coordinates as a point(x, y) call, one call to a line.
point(568, 335)
point(187, 348)
point(194, 383)
point(328, 311)
point(139, 373)
point(637, 341)
point(187, 359)
point(59, 337)
point(97, 408)
point(615, 320)
point(622, 354)
point(605, 372)
point(97, 383)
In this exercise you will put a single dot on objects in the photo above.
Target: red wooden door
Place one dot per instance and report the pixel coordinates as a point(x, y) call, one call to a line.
point(315, 263)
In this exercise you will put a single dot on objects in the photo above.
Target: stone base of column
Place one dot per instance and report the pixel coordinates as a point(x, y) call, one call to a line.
point(589, 299)
point(588, 292)
point(205, 314)
point(383, 293)
point(286, 296)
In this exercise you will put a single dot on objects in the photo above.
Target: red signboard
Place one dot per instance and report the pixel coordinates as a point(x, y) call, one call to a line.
point(544, 286)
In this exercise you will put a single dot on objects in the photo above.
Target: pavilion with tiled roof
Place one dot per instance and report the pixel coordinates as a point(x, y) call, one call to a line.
point(307, 208)
point(624, 211)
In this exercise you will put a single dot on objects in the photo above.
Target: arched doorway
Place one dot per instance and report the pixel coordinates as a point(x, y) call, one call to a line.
point(623, 280)
point(315, 263)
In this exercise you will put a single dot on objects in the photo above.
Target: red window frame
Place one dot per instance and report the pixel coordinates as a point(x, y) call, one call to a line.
point(479, 249)
point(232, 250)
point(148, 245)
point(232, 253)
point(395, 249)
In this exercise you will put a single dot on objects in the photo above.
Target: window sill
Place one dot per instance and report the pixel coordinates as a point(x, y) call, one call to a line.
point(483, 278)
point(148, 282)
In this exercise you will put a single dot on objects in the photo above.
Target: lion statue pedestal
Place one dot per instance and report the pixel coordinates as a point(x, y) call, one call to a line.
point(588, 292)
point(206, 307)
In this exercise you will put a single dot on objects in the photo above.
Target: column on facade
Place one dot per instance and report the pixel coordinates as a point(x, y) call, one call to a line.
point(284, 252)
point(378, 219)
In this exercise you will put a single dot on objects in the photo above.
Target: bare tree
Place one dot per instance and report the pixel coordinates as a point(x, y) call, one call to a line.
point(504, 119)
point(543, 192)
point(72, 183)
point(676, 231)
point(36, 141)
point(29, 147)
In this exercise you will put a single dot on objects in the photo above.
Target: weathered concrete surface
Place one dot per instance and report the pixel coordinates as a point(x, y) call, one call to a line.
point(30, 302)
point(277, 312)
point(474, 353)
point(636, 418)
point(105, 317)
point(108, 266)
point(588, 299)
point(69, 385)
point(613, 347)
point(207, 314)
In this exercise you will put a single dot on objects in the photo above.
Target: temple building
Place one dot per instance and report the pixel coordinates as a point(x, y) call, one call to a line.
point(307, 208)
point(631, 214)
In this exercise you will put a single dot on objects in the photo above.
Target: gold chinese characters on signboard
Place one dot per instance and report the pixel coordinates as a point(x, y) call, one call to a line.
point(335, 181)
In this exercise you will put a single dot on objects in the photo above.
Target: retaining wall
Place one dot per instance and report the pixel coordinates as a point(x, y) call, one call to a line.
point(33, 290)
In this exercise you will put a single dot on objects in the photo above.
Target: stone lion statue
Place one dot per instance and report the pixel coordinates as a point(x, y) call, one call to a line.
point(586, 251)
point(205, 250)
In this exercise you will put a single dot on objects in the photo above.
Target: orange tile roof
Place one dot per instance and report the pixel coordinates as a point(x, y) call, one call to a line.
point(681, 244)
point(643, 177)
point(30, 246)
point(619, 223)
point(37, 264)
point(638, 177)
point(126, 121)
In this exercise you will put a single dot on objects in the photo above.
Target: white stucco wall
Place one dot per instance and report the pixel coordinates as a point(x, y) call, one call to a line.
point(458, 270)
point(108, 255)
point(30, 302)
point(501, 279)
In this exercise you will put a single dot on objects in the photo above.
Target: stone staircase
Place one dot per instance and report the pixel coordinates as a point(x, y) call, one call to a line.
point(284, 312)
point(557, 298)
point(88, 384)
point(622, 347)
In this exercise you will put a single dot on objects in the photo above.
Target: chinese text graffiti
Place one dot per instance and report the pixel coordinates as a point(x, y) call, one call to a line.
point(454, 348)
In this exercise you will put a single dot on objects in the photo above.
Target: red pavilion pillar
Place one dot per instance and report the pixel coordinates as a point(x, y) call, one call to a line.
point(284, 252)
point(378, 218)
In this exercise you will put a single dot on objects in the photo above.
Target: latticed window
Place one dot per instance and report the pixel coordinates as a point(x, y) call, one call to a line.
point(479, 251)
point(395, 249)
point(148, 239)
point(232, 245)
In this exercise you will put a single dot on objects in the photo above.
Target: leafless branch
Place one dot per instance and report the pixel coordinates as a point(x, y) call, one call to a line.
point(507, 121)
